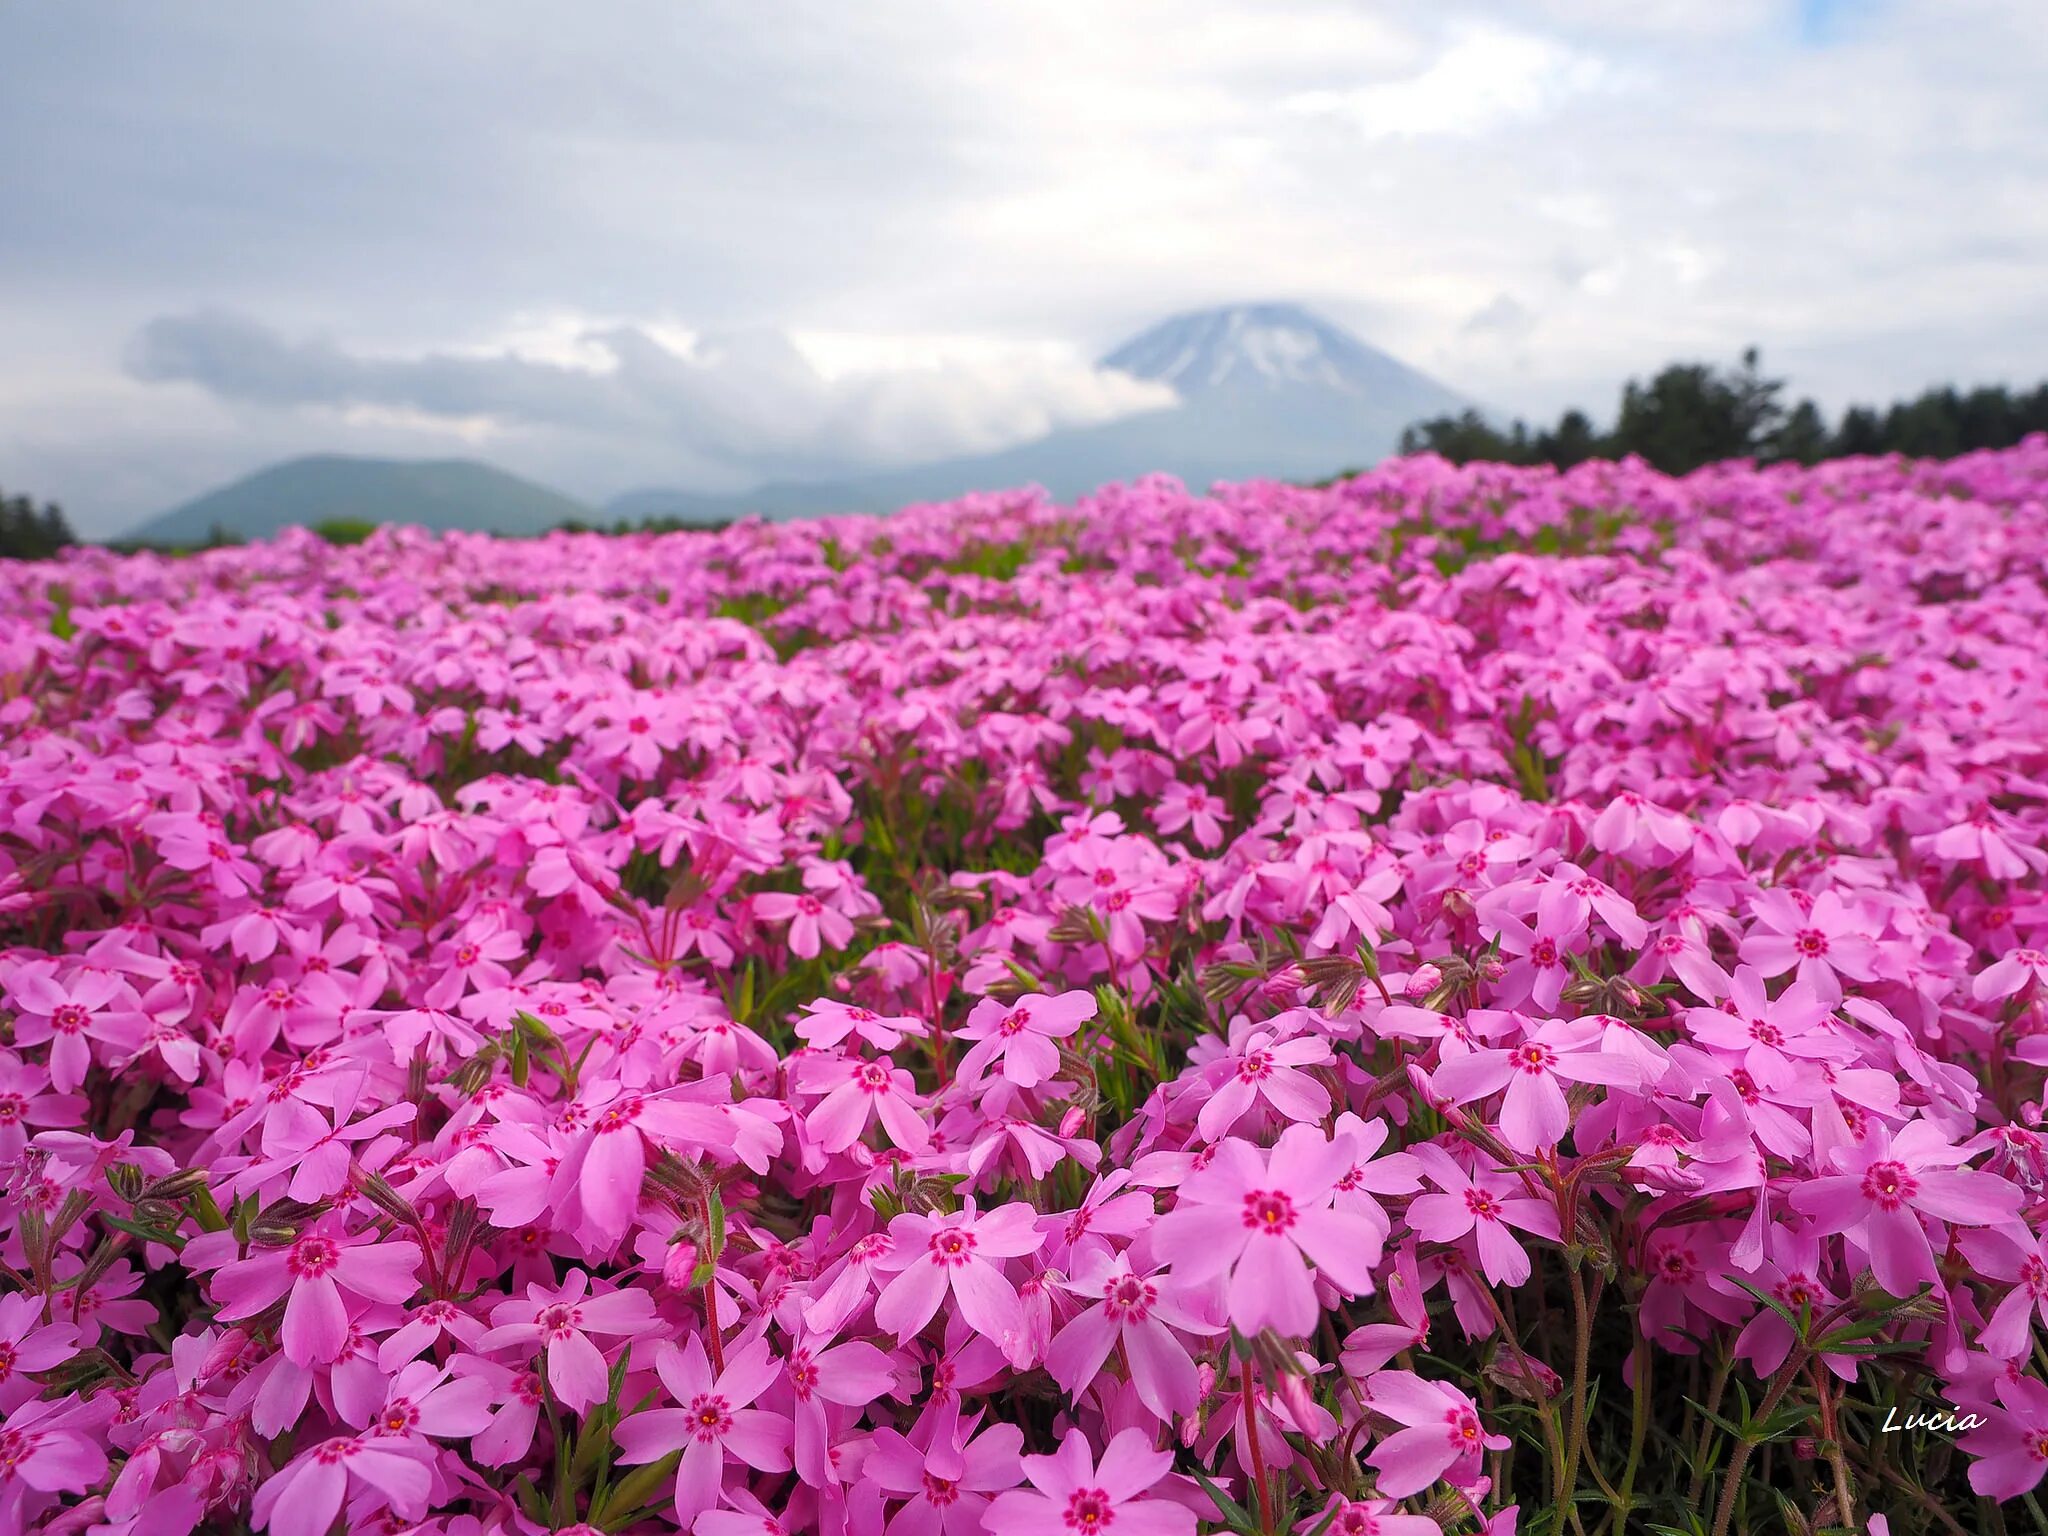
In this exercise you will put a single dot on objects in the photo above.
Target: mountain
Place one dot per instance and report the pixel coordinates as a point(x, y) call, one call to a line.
point(435, 493)
point(1266, 390)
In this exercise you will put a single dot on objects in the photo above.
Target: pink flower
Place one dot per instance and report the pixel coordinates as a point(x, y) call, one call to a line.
point(946, 1487)
point(372, 1473)
point(1485, 1205)
point(845, 1375)
point(2012, 1449)
point(314, 1271)
point(1443, 1434)
point(1263, 1068)
point(1366, 1517)
point(1135, 1315)
point(1533, 1112)
point(861, 1092)
point(2002, 978)
point(958, 1254)
point(809, 919)
point(1774, 1035)
point(1260, 1219)
point(91, 1005)
point(49, 1447)
point(829, 1021)
point(596, 1189)
point(1017, 1038)
point(1819, 937)
point(28, 1344)
point(711, 1423)
point(559, 1323)
point(1074, 1493)
point(1888, 1185)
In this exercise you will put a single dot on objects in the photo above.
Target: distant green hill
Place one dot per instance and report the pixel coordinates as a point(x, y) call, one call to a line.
point(435, 493)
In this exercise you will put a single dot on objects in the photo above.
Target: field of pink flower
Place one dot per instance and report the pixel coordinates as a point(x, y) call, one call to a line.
point(1470, 1000)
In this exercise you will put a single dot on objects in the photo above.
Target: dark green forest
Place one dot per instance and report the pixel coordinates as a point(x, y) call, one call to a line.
point(31, 533)
point(1692, 414)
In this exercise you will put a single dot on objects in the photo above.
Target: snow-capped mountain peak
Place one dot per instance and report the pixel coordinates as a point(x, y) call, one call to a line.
point(1269, 346)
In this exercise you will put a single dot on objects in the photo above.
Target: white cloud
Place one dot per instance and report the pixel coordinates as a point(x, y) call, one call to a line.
point(947, 209)
point(1484, 79)
point(753, 402)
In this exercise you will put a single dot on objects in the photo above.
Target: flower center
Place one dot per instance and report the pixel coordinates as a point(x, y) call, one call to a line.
point(1889, 1185)
point(710, 1417)
point(1482, 1205)
point(1089, 1509)
point(952, 1247)
point(1268, 1211)
point(558, 1321)
point(312, 1257)
point(1128, 1298)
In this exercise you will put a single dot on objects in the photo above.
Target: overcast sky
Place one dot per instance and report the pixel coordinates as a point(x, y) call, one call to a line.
point(692, 243)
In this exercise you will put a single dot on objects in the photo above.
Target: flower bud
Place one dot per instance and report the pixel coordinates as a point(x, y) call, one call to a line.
point(1422, 981)
point(1524, 1377)
point(182, 1185)
point(125, 1179)
point(679, 1264)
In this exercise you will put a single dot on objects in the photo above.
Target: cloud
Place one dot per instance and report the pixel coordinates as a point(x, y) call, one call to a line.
point(751, 402)
point(1485, 78)
point(1502, 315)
point(548, 231)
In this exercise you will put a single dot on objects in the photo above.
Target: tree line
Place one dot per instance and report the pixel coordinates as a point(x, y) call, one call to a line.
point(1692, 414)
point(31, 533)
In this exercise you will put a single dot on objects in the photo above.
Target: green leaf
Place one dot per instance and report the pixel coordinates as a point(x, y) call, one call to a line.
point(1235, 1515)
point(707, 1261)
point(206, 1212)
point(530, 1501)
point(1767, 1299)
point(147, 1234)
point(634, 1493)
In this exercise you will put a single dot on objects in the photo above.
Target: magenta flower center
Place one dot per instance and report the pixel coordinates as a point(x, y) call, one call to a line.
point(399, 1417)
point(1889, 1185)
point(312, 1257)
point(710, 1417)
point(1268, 1211)
point(1482, 1205)
point(1255, 1066)
point(1810, 942)
point(940, 1491)
point(1127, 1298)
point(1463, 1425)
point(803, 1374)
point(873, 1077)
point(1764, 1032)
point(619, 1116)
point(952, 1247)
point(68, 1019)
point(1014, 1022)
point(1089, 1509)
point(1535, 1058)
point(558, 1321)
